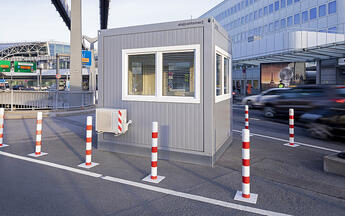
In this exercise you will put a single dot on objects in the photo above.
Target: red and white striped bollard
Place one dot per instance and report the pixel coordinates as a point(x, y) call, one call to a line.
point(291, 129)
point(246, 116)
point(245, 194)
point(88, 163)
point(2, 117)
point(38, 148)
point(119, 122)
point(153, 177)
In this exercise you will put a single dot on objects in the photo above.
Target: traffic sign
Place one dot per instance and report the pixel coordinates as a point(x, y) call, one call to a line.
point(86, 58)
point(58, 76)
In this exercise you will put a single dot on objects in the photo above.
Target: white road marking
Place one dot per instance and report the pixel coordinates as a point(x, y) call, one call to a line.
point(193, 197)
point(302, 144)
point(255, 119)
point(149, 187)
point(83, 172)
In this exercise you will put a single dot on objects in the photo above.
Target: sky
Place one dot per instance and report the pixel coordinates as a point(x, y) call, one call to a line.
point(38, 20)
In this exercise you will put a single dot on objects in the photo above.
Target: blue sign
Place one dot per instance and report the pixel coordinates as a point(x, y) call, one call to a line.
point(2, 81)
point(86, 58)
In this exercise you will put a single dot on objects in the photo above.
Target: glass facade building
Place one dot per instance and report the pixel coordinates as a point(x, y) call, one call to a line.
point(260, 28)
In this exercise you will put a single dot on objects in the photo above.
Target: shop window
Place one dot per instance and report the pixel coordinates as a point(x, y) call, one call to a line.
point(162, 74)
point(141, 74)
point(222, 75)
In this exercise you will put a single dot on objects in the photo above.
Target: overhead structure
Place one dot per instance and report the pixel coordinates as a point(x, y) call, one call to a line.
point(64, 11)
point(26, 49)
point(104, 11)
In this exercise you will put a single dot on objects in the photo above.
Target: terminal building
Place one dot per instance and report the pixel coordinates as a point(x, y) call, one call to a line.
point(41, 58)
point(289, 41)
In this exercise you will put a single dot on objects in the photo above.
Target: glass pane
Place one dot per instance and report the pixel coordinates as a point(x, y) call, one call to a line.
point(178, 74)
point(322, 10)
point(312, 13)
point(332, 7)
point(226, 76)
point(141, 74)
point(219, 75)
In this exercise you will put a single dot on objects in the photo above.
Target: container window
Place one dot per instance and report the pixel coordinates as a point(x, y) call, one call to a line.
point(141, 74)
point(219, 75)
point(178, 74)
point(226, 76)
point(162, 74)
point(222, 75)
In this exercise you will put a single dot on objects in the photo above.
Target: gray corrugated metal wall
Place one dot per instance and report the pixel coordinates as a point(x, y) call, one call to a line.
point(222, 118)
point(181, 125)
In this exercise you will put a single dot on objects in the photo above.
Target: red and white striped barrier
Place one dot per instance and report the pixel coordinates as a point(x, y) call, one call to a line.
point(2, 117)
point(245, 194)
point(246, 116)
point(154, 178)
point(119, 122)
point(88, 163)
point(291, 129)
point(38, 147)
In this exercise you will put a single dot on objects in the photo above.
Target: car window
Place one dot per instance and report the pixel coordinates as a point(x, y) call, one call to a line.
point(340, 92)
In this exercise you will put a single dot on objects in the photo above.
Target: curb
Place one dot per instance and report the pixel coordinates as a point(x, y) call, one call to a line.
point(45, 113)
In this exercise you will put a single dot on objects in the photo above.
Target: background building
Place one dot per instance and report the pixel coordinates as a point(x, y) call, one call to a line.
point(42, 55)
point(301, 41)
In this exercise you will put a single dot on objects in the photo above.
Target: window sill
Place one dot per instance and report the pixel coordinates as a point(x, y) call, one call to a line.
point(222, 98)
point(163, 99)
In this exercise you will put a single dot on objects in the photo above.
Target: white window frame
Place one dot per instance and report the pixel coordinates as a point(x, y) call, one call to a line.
point(223, 54)
point(158, 51)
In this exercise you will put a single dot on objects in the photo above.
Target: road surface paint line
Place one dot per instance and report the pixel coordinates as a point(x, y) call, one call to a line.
point(149, 187)
point(255, 119)
point(194, 197)
point(92, 174)
point(302, 144)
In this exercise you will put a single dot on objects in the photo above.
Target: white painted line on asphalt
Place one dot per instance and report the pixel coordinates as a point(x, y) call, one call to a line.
point(149, 187)
point(193, 197)
point(255, 119)
point(302, 144)
point(237, 109)
point(92, 174)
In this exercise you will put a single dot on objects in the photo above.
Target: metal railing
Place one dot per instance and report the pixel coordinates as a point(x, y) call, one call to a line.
point(32, 100)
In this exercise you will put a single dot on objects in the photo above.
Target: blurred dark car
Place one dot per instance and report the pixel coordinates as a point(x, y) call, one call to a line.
point(305, 98)
point(18, 87)
point(325, 123)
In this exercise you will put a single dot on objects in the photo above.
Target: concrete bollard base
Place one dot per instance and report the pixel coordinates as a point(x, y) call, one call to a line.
point(334, 164)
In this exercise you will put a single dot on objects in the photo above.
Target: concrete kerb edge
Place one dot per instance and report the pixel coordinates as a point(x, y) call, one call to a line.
point(46, 113)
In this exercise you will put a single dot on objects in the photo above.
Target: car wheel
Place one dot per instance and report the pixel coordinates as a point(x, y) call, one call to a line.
point(250, 104)
point(269, 112)
point(319, 131)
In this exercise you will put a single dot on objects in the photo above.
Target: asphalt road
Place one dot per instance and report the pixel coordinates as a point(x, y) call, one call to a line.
point(287, 180)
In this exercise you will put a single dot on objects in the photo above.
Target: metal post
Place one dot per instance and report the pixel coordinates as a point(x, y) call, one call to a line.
point(57, 83)
point(40, 79)
point(11, 99)
point(76, 41)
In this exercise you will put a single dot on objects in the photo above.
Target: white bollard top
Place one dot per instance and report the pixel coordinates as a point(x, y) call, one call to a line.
point(89, 120)
point(2, 111)
point(246, 107)
point(291, 112)
point(154, 126)
point(245, 135)
point(39, 115)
